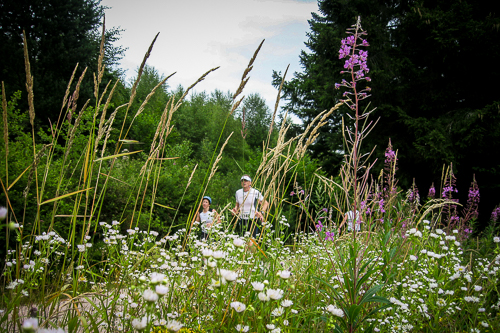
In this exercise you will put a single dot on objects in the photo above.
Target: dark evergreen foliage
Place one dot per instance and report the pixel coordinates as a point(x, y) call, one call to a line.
point(60, 34)
point(432, 64)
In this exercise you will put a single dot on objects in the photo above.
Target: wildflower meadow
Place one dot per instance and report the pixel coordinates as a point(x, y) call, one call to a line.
point(366, 257)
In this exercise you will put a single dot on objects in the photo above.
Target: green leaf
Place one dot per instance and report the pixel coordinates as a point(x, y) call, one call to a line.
point(379, 299)
point(335, 295)
point(365, 265)
point(73, 324)
point(365, 277)
point(387, 236)
point(392, 253)
point(353, 313)
point(337, 329)
point(369, 294)
point(93, 323)
point(372, 312)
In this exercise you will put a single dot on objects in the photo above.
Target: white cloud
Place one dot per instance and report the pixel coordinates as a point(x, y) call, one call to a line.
point(197, 35)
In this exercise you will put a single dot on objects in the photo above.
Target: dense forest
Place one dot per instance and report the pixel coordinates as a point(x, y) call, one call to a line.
point(429, 87)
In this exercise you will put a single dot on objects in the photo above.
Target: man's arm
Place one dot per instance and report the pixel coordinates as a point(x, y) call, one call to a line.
point(263, 208)
point(264, 205)
point(236, 209)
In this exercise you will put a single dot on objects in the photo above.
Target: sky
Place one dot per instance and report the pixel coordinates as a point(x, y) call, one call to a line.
point(198, 35)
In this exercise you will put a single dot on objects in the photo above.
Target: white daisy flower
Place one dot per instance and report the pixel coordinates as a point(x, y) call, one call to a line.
point(238, 306)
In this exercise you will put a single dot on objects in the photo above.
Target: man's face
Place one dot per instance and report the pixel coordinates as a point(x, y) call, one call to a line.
point(245, 183)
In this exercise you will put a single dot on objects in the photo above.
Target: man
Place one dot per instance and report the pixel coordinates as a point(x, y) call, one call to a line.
point(247, 200)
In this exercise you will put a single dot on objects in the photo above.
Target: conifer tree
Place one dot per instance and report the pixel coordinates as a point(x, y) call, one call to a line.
point(60, 34)
point(432, 67)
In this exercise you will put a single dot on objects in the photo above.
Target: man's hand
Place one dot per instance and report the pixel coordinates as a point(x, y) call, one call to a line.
point(259, 216)
point(234, 211)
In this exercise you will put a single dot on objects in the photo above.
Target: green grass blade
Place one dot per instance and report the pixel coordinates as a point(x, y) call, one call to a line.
point(65, 196)
point(116, 155)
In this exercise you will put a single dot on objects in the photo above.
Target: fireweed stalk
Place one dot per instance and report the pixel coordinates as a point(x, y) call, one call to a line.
point(390, 168)
point(450, 210)
point(355, 65)
point(471, 212)
point(357, 275)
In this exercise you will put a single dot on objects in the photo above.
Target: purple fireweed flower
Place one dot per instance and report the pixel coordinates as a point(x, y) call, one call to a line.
point(364, 207)
point(471, 209)
point(319, 226)
point(390, 168)
point(344, 51)
point(448, 190)
point(301, 192)
point(292, 193)
point(432, 192)
point(325, 210)
point(381, 206)
point(355, 62)
point(363, 55)
point(450, 210)
point(390, 158)
point(390, 155)
point(329, 236)
point(413, 196)
point(494, 214)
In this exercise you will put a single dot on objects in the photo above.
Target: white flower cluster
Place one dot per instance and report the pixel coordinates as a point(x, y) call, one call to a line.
point(52, 236)
point(283, 221)
point(335, 311)
point(274, 294)
point(403, 306)
point(471, 299)
point(414, 232)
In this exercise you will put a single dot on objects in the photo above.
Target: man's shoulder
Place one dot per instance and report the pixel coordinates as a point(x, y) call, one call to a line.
point(256, 192)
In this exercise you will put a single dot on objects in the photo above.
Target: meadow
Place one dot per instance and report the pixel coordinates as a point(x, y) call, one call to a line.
point(407, 264)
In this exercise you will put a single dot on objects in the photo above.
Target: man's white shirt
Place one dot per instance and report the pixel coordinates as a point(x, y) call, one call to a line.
point(247, 202)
